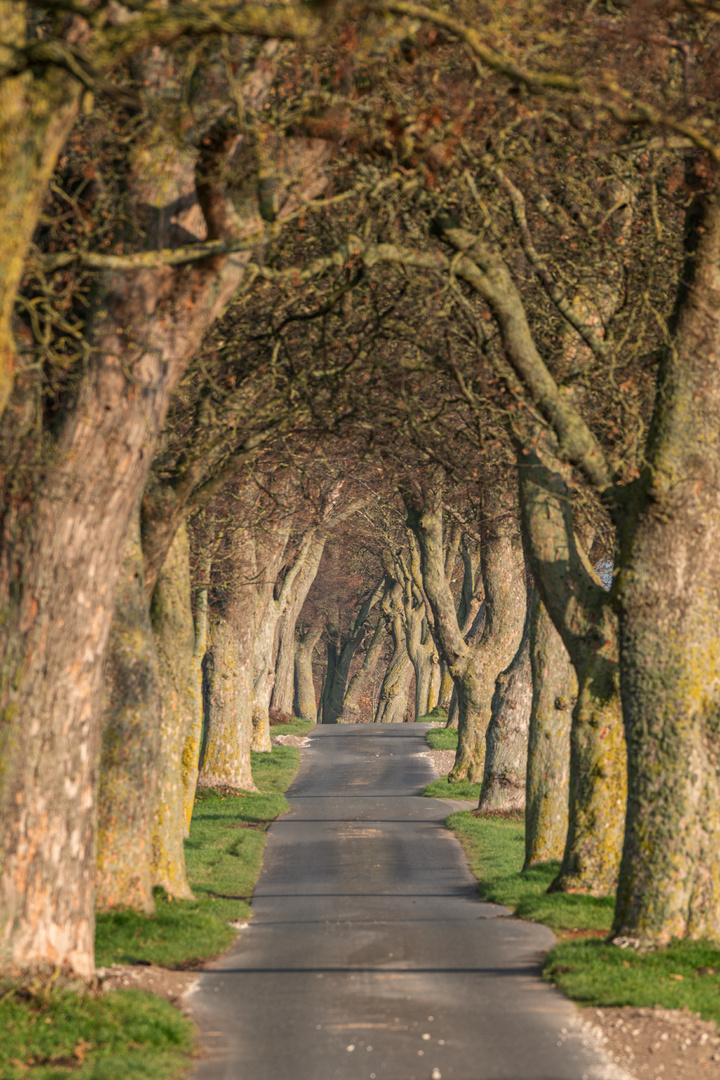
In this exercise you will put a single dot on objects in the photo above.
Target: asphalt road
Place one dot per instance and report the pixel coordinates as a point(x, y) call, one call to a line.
point(371, 956)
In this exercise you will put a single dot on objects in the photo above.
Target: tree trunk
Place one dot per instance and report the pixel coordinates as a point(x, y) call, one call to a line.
point(580, 609)
point(435, 684)
point(395, 692)
point(282, 695)
point(447, 688)
point(193, 739)
point(503, 573)
point(229, 677)
point(130, 744)
point(669, 594)
point(506, 742)
point(305, 700)
point(356, 687)
point(174, 634)
point(454, 710)
point(548, 773)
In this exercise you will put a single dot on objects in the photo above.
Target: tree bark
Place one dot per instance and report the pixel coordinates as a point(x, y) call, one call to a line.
point(229, 681)
point(473, 668)
point(548, 772)
point(506, 741)
point(282, 694)
point(669, 597)
point(357, 684)
point(580, 609)
point(174, 633)
point(395, 691)
point(305, 700)
point(130, 744)
point(193, 739)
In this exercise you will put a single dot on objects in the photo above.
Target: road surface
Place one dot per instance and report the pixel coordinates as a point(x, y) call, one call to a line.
point(371, 955)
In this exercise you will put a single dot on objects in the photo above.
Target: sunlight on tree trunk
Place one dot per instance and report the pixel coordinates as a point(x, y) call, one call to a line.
point(174, 633)
point(548, 775)
point(130, 744)
point(506, 741)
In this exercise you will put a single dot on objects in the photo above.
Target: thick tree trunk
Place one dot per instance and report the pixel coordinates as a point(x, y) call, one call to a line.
point(548, 771)
point(229, 678)
point(130, 744)
point(395, 691)
point(228, 735)
point(174, 633)
point(669, 593)
point(506, 741)
point(305, 700)
point(580, 609)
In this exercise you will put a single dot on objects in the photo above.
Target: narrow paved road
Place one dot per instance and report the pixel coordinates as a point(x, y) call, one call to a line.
point(371, 956)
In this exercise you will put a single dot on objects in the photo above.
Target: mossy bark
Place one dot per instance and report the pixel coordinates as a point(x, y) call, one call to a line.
point(506, 741)
point(548, 769)
point(193, 738)
point(669, 600)
point(130, 744)
point(174, 633)
point(229, 677)
point(580, 609)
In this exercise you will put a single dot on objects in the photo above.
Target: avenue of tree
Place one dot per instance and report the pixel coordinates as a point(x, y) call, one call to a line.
point(359, 362)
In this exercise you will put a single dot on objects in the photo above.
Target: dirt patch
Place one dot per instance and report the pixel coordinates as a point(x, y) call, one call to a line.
point(657, 1043)
point(165, 982)
point(289, 740)
point(443, 760)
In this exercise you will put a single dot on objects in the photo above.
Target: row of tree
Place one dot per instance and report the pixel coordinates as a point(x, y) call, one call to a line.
point(247, 246)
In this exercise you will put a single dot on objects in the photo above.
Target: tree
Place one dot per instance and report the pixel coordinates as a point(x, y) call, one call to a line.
point(473, 668)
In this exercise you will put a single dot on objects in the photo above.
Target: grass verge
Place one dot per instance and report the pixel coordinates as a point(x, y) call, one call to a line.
point(587, 969)
point(294, 727)
point(223, 856)
point(446, 739)
point(57, 1034)
point(442, 738)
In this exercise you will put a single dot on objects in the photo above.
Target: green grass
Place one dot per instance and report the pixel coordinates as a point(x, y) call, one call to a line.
point(223, 857)
point(447, 739)
point(495, 848)
point(588, 970)
point(295, 727)
point(58, 1034)
point(686, 974)
point(441, 738)
point(443, 789)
